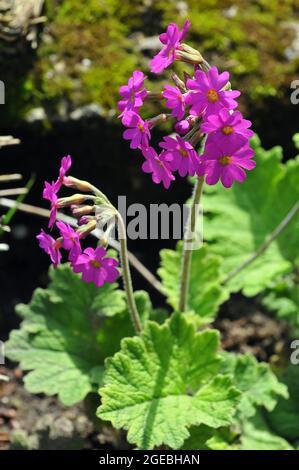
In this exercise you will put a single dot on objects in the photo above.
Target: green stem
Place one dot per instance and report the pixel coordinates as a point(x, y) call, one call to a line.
point(126, 274)
point(190, 228)
point(187, 252)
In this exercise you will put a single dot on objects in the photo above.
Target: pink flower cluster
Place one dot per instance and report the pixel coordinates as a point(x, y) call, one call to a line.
point(201, 105)
point(94, 264)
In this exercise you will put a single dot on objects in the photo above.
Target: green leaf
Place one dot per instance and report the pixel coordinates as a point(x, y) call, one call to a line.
point(205, 294)
point(79, 295)
point(284, 419)
point(114, 329)
point(283, 299)
point(239, 220)
point(258, 436)
point(198, 437)
point(205, 438)
point(223, 439)
point(296, 140)
point(57, 341)
point(164, 381)
point(256, 381)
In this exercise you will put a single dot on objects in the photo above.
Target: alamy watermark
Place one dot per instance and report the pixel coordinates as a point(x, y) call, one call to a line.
point(2, 353)
point(2, 92)
point(295, 93)
point(295, 354)
point(153, 222)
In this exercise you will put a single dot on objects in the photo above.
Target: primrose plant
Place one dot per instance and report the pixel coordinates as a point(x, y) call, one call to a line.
point(161, 377)
point(203, 110)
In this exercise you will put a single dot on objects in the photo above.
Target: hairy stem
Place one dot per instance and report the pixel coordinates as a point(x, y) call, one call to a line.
point(190, 228)
point(126, 274)
point(187, 252)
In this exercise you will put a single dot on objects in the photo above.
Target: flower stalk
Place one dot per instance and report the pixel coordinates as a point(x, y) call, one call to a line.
point(187, 249)
point(126, 275)
point(190, 229)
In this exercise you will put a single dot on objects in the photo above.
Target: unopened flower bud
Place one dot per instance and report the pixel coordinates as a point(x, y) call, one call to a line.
point(85, 219)
point(179, 83)
point(80, 185)
point(103, 241)
point(186, 76)
point(196, 138)
point(157, 120)
point(182, 127)
point(79, 211)
point(87, 228)
point(186, 53)
point(154, 95)
point(74, 199)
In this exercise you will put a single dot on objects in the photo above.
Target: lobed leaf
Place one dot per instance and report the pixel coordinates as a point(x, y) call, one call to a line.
point(284, 419)
point(256, 381)
point(257, 435)
point(283, 299)
point(164, 381)
point(58, 339)
point(205, 293)
point(239, 220)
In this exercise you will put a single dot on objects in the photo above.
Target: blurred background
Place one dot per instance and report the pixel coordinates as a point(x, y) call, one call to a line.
point(62, 63)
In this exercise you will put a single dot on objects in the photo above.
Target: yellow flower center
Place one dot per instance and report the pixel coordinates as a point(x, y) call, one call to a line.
point(57, 244)
point(140, 127)
point(158, 161)
point(95, 264)
point(212, 96)
point(183, 152)
point(226, 160)
point(170, 52)
point(227, 130)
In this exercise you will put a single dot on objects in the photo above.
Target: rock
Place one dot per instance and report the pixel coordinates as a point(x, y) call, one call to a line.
point(18, 23)
point(36, 115)
point(142, 43)
point(292, 52)
point(88, 111)
point(21, 440)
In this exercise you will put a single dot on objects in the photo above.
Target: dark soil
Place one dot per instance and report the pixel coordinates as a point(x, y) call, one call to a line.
point(246, 328)
point(37, 422)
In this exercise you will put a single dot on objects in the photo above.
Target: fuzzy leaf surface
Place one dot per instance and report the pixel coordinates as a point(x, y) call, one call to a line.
point(164, 381)
point(57, 341)
point(205, 294)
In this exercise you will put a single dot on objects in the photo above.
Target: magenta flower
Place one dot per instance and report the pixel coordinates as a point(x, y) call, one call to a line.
point(182, 127)
point(138, 133)
point(132, 94)
point(226, 162)
point(175, 101)
point(158, 165)
point(50, 193)
point(181, 155)
point(66, 164)
point(95, 267)
point(171, 40)
point(207, 94)
point(49, 190)
point(226, 126)
point(70, 240)
point(50, 246)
